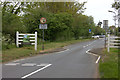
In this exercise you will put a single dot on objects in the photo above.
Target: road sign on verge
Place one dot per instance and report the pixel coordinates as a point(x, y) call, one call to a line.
point(25, 38)
point(105, 24)
point(43, 20)
point(89, 30)
point(42, 26)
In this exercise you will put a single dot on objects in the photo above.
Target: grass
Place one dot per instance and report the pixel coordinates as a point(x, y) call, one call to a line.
point(108, 66)
point(17, 53)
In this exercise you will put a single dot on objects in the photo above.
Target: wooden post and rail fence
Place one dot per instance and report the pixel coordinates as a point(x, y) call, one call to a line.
point(113, 42)
point(32, 37)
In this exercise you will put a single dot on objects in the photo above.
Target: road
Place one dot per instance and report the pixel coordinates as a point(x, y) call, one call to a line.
point(74, 62)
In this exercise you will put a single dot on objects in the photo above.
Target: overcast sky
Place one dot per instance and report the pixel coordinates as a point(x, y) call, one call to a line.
point(99, 10)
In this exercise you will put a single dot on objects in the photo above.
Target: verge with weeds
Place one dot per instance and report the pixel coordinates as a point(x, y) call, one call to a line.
point(26, 51)
point(108, 66)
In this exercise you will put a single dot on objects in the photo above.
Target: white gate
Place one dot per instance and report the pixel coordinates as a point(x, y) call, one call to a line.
point(33, 37)
point(113, 42)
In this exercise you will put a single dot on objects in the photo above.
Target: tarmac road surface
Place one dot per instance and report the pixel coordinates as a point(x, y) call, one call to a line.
point(73, 62)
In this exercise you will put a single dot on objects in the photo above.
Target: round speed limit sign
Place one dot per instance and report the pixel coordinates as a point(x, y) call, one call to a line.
point(43, 20)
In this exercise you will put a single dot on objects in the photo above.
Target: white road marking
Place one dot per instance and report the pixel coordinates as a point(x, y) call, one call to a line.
point(94, 55)
point(98, 59)
point(84, 46)
point(12, 64)
point(43, 64)
point(35, 71)
point(18, 60)
point(88, 51)
point(89, 44)
point(63, 51)
point(29, 64)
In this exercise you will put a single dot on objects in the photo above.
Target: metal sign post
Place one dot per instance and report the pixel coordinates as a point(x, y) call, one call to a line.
point(105, 26)
point(43, 41)
point(43, 26)
point(89, 30)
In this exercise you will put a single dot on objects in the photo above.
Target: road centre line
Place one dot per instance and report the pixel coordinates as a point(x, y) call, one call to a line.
point(12, 64)
point(28, 64)
point(88, 44)
point(35, 71)
point(44, 64)
point(85, 46)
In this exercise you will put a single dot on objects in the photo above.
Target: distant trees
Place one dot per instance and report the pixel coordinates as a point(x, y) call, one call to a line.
point(65, 20)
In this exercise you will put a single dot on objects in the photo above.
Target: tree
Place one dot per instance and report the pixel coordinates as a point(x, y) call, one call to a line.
point(11, 22)
point(116, 5)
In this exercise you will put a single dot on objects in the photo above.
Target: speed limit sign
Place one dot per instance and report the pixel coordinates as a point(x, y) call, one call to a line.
point(43, 20)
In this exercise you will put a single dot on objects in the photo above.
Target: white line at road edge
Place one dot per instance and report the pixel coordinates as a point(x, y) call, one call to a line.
point(94, 55)
point(18, 60)
point(35, 71)
point(98, 59)
point(63, 51)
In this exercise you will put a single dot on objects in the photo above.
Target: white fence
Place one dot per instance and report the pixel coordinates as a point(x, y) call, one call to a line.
point(113, 42)
point(19, 39)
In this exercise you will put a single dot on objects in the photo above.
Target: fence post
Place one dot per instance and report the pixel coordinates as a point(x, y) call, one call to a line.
point(17, 39)
point(108, 49)
point(35, 40)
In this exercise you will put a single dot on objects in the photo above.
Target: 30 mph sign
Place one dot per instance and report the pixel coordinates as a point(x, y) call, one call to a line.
point(43, 20)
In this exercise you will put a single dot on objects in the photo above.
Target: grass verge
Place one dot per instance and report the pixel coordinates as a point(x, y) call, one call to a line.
point(108, 66)
point(17, 53)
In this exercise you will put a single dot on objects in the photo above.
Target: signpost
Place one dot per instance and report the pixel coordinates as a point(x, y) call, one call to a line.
point(89, 30)
point(43, 20)
point(105, 26)
point(43, 26)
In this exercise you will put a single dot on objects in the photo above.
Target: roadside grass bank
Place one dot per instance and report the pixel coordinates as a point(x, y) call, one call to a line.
point(26, 51)
point(108, 66)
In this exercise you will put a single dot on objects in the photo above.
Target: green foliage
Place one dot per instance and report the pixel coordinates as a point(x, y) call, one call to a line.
point(11, 23)
point(64, 19)
point(58, 24)
point(116, 5)
point(7, 42)
point(98, 31)
point(108, 65)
